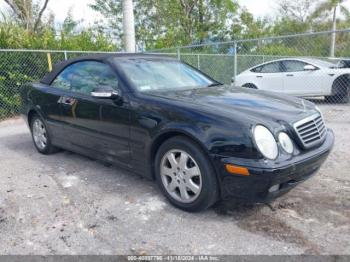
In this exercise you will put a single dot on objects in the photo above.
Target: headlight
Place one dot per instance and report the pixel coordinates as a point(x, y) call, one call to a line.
point(265, 142)
point(286, 142)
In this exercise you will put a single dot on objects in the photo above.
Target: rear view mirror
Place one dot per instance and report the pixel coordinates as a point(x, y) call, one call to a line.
point(105, 92)
point(309, 68)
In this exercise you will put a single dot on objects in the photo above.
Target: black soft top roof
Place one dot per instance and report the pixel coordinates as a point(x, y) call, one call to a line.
point(49, 77)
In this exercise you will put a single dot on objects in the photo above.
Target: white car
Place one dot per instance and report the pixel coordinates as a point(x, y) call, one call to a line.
point(304, 77)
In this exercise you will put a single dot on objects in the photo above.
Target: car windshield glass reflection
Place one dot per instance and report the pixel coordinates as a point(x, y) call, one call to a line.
point(163, 75)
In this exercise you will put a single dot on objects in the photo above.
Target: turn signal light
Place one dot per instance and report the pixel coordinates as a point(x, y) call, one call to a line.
point(237, 170)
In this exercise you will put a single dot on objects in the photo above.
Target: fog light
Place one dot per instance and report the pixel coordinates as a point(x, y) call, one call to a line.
point(274, 188)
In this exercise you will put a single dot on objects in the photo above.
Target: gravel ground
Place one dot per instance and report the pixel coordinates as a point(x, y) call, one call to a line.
point(69, 204)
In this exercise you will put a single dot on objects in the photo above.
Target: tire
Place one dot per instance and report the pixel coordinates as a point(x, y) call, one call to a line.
point(330, 99)
point(339, 98)
point(340, 90)
point(346, 98)
point(251, 86)
point(188, 192)
point(41, 137)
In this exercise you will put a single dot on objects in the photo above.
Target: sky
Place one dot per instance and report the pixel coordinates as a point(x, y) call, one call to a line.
point(260, 7)
point(81, 9)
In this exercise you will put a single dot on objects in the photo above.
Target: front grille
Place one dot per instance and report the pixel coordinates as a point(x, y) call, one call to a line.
point(311, 130)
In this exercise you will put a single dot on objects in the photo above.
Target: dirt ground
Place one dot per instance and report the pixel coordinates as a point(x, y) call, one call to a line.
point(69, 204)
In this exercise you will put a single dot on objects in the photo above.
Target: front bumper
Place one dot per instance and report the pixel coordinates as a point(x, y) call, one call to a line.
point(265, 174)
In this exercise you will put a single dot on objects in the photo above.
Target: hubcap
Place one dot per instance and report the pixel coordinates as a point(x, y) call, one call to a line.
point(181, 176)
point(39, 134)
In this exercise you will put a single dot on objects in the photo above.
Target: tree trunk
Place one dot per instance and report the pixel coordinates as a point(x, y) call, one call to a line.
point(129, 26)
point(334, 27)
point(201, 21)
point(38, 19)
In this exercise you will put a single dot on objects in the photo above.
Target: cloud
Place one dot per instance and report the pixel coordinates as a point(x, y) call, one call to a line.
point(80, 11)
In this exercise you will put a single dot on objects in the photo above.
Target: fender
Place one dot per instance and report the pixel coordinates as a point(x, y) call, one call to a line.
point(173, 129)
point(193, 132)
point(30, 106)
point(31, 111)
point(27, 107)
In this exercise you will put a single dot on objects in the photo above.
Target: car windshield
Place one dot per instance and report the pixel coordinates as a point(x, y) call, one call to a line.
point(163, 75)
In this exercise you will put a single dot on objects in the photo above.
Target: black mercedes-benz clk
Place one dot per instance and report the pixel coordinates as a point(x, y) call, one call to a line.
point(163, 119)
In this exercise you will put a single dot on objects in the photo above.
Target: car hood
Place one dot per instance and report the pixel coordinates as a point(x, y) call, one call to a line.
point(249, 103)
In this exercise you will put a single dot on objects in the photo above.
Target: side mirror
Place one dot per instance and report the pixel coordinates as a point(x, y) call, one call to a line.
point(309, 68)
point(105, 92)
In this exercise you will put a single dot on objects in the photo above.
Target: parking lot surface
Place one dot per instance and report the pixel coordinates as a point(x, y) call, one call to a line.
point(69, 204)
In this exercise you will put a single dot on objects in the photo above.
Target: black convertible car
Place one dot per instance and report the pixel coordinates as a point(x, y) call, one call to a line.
point(200, 140)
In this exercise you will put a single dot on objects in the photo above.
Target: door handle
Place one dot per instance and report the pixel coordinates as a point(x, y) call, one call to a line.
point(66, 100)
point(290, 75)
point(259, 76)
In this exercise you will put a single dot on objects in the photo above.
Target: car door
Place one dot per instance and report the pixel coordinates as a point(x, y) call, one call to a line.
point(44, 99)
point(270, 77)
point(95, 126)
point(301, 82)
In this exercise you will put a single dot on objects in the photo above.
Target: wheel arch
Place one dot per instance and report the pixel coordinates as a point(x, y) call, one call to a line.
point(34, 111)
point(341, 83)
point(160, 139)
point(250, 85)
point(31, 114)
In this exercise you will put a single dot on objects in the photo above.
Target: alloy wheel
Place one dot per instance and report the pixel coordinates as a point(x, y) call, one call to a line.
point(181, 176)
point(39, 134)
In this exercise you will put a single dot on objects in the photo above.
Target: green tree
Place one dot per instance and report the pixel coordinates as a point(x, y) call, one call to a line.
point(328, 7)
point(246, 26)
point(113, 12)
point(69, 24)
point(294, 16)
point(167, 23)
point(298, 10)
point(208, 18)
point(28, 13)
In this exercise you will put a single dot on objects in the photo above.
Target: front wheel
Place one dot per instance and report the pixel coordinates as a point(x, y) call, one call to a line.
point(185, 175)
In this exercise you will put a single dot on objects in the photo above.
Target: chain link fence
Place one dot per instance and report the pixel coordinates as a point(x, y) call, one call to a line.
point(285, 66)
point(327, 83)
point(20, 66)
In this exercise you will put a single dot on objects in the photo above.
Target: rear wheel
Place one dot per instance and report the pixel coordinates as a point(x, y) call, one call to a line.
point(346, 98)
point(41, 136)
point(340, 90)
point(339, 98)
point(185, 175)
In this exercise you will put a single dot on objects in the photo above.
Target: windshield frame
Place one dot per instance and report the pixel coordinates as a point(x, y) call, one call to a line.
point(124, 76)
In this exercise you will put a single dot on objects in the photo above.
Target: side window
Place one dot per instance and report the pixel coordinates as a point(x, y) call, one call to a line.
point(271, 68)
point(62, 81)
point(256, 69)
point(294, 66)
point(83, 77)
